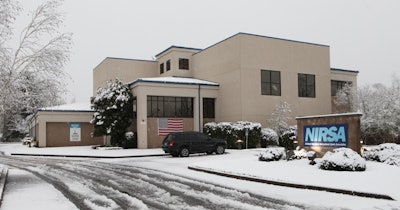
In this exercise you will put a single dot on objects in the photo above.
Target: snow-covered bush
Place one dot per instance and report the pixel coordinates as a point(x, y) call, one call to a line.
point(342, 159)
point(387, 153)
point(272, 154)
point(287, 137)
point(269, 137)
point(232, 132)
point(300, 153)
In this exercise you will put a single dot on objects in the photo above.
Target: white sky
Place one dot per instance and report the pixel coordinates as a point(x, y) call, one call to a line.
point(363, 35)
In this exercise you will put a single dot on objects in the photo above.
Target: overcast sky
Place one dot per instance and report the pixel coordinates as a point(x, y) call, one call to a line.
point(363, 35)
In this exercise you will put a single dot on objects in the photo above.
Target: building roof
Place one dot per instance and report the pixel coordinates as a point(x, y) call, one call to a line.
point(240, 33)
point(345, 70)
point(330, 115)
point(178, 47)
point(175, 80)
point(75, 107)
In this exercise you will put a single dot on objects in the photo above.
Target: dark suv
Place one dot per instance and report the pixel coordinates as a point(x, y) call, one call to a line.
point(185, 143)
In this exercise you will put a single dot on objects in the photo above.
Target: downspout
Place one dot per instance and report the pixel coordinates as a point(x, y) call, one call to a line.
point(198, 99)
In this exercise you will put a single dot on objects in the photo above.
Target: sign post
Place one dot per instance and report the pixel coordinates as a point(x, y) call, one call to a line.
point(246, 133)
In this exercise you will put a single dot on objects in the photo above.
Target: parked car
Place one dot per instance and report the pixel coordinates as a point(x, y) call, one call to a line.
point(185, 143)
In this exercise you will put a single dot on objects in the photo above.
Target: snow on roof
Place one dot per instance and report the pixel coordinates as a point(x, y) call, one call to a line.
point(175, 80)
point(75, 107)
point(330, 115)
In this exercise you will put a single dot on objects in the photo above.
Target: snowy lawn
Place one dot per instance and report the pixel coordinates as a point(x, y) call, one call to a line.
point(378, 178)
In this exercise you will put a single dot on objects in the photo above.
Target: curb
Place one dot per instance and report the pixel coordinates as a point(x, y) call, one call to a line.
point(299, 186)
point(87, 156)
point(3, 180)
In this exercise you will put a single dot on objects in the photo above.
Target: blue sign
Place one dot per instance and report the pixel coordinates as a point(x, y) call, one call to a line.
point(326, 135)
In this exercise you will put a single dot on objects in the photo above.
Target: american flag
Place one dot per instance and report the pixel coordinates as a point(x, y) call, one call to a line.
point(169, 125)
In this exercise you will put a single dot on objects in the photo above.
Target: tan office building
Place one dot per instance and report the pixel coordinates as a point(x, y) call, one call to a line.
point(242, 77)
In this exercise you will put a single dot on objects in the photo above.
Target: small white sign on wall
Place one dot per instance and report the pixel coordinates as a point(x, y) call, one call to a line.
point(75, 132)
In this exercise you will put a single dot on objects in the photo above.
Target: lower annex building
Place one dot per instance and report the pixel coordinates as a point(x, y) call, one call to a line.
point(241, 78)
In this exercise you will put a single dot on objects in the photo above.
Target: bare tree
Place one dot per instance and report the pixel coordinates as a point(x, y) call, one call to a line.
point(31, 74)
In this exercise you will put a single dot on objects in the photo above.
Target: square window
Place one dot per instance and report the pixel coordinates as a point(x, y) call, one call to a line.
point(184, 63)
point(270, 82)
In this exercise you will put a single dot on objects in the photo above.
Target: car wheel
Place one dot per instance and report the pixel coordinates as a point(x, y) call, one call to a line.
point(184, 152)
point(220, 150)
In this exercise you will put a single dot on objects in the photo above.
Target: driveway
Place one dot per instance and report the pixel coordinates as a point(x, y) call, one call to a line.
point(90, 184)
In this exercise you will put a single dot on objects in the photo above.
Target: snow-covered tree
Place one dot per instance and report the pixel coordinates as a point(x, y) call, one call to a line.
point(380, 106)
point(31, 73)
point(280, 118)
point(113, 105)
point(345, 99)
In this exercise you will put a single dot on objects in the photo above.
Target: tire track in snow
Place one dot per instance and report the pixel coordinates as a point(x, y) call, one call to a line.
point(91, 185)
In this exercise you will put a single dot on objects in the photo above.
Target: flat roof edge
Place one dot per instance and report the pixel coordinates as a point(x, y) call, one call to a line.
point(174, 83)
point(345, 70)
point(330, 115)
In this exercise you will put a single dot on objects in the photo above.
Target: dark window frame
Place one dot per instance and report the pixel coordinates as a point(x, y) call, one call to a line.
point(208, 107)
point(184, 63)
point(161, 68)
point(306, 85)
point(168, 65)
point(271, 83)
point(169, 106)
point(336, 85)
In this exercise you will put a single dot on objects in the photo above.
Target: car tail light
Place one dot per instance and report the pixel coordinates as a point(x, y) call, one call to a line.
point(171, 143)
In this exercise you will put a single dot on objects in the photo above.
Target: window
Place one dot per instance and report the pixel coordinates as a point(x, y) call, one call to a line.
point(208, 108)
point(134, 107)
point(184, 63)
point(337, 85)
point(306, 85)
point(270, 82)
point(161, 68)
point(168, 65)
point(163, 106)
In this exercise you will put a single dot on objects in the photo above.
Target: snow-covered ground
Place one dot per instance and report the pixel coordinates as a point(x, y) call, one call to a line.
point(378, 178)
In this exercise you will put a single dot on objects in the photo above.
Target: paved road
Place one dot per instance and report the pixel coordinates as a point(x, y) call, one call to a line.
point(91, 185)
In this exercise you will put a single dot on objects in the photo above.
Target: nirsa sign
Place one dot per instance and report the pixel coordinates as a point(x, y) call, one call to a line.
point(326, 135)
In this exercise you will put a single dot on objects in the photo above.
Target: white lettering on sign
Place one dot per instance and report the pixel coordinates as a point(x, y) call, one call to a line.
point(326, 135)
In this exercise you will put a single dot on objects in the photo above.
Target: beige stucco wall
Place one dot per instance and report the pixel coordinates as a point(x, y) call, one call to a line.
point(127, 70)
point(236, 64)
point(221, 63)
point(43, 119)
point(143, 89)
point(173, 55)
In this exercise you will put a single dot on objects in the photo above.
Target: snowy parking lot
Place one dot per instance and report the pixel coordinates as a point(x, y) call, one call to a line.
point(159, 182)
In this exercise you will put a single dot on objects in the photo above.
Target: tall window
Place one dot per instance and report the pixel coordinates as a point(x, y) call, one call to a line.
point(161, 68)
point(270, 82)
point(337, 85)
point(164, 106)
point(208, 108)
point(168, 65)
point(306, 85)
point(184, 63)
